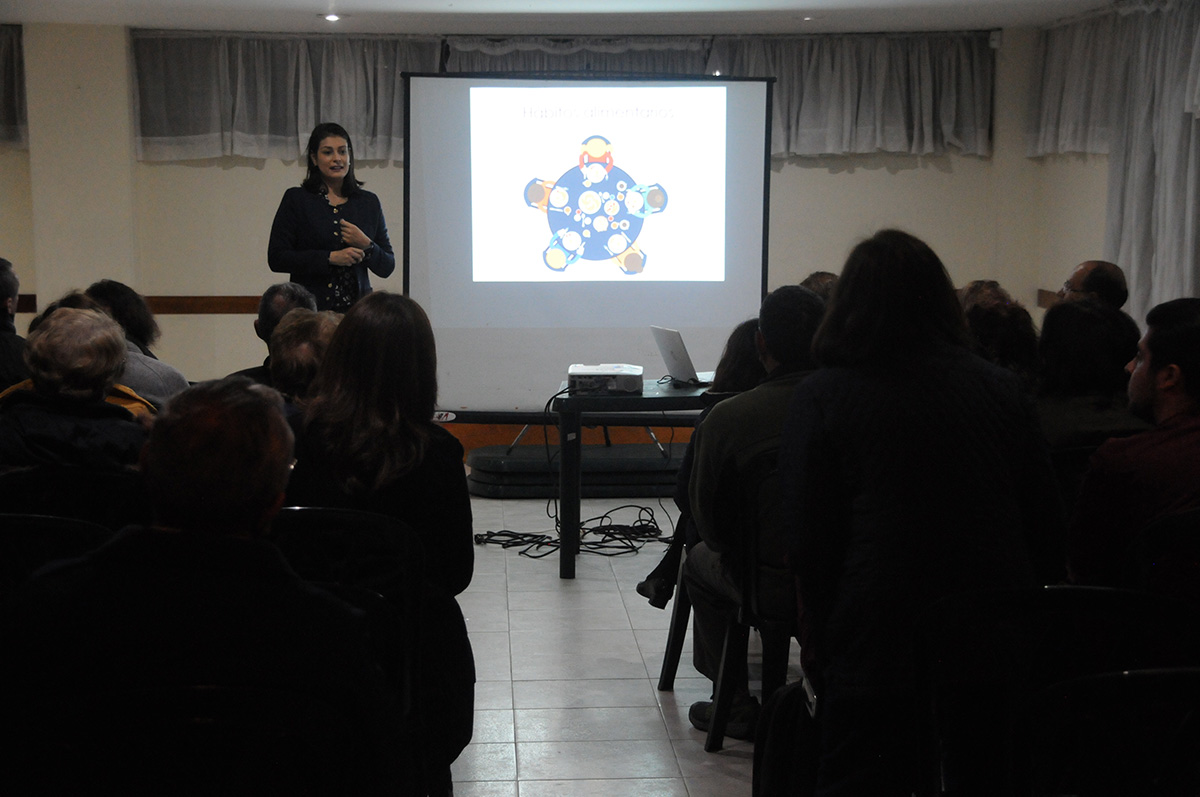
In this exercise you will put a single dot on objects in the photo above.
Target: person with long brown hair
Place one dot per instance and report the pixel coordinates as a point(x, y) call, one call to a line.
point(914, 470)
point(368, 442)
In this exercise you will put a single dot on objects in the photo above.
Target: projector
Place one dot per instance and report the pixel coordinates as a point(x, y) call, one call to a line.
point(604, 378)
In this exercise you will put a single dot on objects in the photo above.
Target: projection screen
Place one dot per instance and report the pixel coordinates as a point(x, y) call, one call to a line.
point(553, 220)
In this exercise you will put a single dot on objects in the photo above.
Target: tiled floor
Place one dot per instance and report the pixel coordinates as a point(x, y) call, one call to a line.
point(566, 702)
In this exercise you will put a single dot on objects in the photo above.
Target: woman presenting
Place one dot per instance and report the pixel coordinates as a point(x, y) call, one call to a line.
point(328, 232)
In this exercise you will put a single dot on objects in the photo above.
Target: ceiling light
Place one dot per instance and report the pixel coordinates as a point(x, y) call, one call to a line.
point(332, 17)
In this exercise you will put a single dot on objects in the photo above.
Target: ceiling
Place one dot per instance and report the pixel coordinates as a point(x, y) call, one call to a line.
point(562, 17)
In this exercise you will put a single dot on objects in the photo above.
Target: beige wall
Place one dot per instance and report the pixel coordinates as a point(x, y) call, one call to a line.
point(84, 208)
point(16, 221)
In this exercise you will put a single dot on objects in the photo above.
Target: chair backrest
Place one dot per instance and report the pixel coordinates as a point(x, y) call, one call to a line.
point(392, 636)
point(768, 589)
point(1070, 465)
point(347, 546)
point(980, 656)
point(112, 498)
point(1131, 732)
point(1165, 557)
point(371, 561)
point(27, 542)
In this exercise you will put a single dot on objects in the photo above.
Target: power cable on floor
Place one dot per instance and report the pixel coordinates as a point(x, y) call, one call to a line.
point(599, 535)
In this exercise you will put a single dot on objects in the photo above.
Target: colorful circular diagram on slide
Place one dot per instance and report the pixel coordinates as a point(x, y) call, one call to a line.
point(595, 210)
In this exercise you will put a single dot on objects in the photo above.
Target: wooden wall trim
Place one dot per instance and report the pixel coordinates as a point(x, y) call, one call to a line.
point(203, 305)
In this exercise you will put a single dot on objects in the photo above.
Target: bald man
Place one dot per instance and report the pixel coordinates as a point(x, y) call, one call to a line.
point(1098, 280)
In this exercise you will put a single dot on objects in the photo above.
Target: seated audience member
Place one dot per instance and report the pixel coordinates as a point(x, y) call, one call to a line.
point(734, 432)
point(1002, 333)
point(369, 443)
point(1083, 349)
point(12, 362)
point(1081, 402)
point(145, 374)
point(120, 394)
point(60, 416)
point(129, 309)
point(1097, 280)
point(276, 302)
point(912, 470)
point(1134, 480)
point(200, 598)
point(821, 283)
point(298, 344)
point(739, 369)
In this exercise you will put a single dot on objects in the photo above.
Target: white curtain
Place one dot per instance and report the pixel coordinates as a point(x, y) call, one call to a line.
point(1127, 83)
point(843, 94)
point(12, 87)
point(205, 95)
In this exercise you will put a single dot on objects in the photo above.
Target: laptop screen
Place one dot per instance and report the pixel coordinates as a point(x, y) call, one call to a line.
point(676, 357)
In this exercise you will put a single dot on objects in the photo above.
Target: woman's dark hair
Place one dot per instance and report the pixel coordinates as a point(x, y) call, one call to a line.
point(739, 368)
point(312, 177)
point(982, 292)
point(1084, 348)
point(892, 300)
point(77, 300)
point(821, 283)
point(1003, 334)
point(376, 391)
point(129, 309)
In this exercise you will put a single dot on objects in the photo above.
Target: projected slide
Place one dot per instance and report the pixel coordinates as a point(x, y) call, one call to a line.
point(595, 210)
point(592, 183)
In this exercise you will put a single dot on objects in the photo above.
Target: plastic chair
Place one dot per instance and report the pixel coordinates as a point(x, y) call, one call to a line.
point(391, 637)
point(1070, 465)
point(760, 562)
point(347, 546)
point(348, 551)
point(1165, 557)
point(363, 558)
point(758, 509)
point(1132, 732)
point(681, 613)
point(28, 542)
point(982, 655)
point(762, 477)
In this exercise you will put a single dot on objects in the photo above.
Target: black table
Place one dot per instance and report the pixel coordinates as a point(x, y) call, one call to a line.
point(570, 409)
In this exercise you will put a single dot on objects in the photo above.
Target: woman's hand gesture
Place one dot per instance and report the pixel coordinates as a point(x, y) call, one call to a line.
point(352, 235)
point(346, 257)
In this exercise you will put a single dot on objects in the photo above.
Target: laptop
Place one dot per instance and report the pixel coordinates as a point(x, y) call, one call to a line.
point(675, 355)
